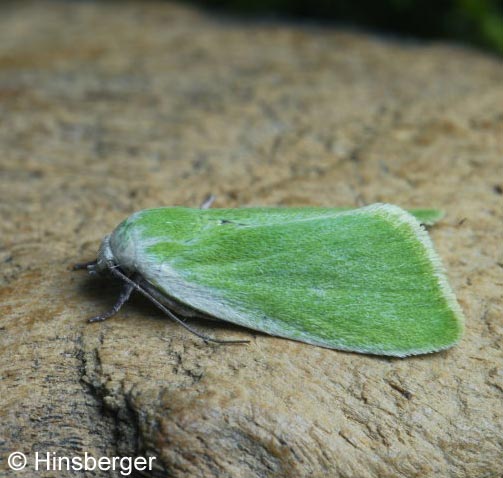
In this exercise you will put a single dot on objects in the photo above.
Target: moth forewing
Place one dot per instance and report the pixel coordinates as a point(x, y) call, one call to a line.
point(365, 280)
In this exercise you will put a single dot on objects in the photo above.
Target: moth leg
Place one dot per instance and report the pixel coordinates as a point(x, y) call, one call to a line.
point(117, 273)
point(206, 204)
point(123, 298)
point(84, 265)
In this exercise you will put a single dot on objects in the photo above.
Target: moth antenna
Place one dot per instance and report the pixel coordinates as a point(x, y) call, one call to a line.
point(117, 273)
point(360, 201)
point(123, 298)
point(206, 204)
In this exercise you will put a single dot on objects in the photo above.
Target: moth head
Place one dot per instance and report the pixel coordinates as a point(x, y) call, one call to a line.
point(104, 259)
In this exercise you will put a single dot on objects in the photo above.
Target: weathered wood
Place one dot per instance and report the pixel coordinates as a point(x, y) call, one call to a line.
point(109, 108)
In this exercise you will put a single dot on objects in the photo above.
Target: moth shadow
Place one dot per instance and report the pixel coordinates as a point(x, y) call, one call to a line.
point(97, 289)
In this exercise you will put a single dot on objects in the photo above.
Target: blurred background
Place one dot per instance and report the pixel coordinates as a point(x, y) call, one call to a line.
point(475, 22)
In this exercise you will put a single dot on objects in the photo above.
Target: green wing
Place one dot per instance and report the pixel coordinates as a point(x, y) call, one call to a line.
point(428, 217)
point(365, 280)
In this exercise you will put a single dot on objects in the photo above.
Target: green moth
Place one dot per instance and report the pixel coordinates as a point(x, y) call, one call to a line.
point(364, 280)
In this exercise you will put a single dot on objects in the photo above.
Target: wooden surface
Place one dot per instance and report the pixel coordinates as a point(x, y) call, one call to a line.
point(110, 108)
